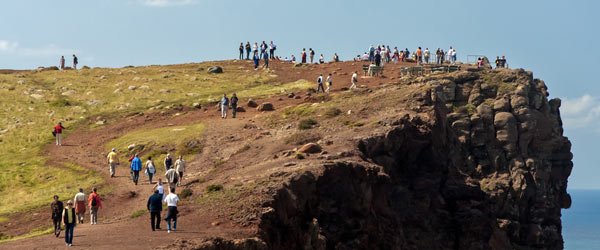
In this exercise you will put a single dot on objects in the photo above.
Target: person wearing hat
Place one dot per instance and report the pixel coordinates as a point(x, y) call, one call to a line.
point(69, 219)
point(113, 161)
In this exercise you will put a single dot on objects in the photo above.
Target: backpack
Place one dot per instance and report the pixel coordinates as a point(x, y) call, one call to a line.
point(94, 202)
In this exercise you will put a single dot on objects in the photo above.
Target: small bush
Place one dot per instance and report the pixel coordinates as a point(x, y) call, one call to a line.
point(307, 124)
point(138, 213)
point(185, 193)
point(61, 102)
point(302, 138)
point(214, 188)
point(332, 112)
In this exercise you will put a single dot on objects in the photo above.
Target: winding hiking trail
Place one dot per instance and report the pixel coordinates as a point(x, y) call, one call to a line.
point(116, 229)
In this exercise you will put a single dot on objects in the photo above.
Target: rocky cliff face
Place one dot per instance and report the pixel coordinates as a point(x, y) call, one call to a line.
point(482, 165)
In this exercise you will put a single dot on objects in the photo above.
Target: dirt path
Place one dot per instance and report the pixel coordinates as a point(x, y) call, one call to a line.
point(116, 228)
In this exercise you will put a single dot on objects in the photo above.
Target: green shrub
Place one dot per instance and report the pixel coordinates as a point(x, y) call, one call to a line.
point(214, 188)
point(332, 112)
point(185, 193)
point(307, 123)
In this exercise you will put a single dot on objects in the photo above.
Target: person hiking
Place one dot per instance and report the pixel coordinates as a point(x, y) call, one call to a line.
point(336, 58)
point(241, 49)
point(58, 129)
point(426, 55)
point(95, 203)
point(79, 201)
point(419, 54)
point(321, 59)
point(155, 207)
point(371, 53)
point(136, 167)
point(224, 106)
point(320, 84)
point(303, 55)
point(266, 59)
point(56, 207)
point(263, 48)
point(75, 61)
point(377, 59)
point(353, 80)
point(272, 48)
point(329, 83)
point(172, 177)
point(113, 161)
point(255, 48)
point(248, 49)
point(168, 162)
point(172, 212)
point(159, 187)
point(311, 53)
point(234, 102)
point(62, 62)
point(68, 217)
point(150, 169)
point(180, 168)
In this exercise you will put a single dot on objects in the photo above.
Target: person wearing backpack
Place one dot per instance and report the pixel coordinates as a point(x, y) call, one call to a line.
point(56, 207)
point(58, 129)
point(320, 84)
point(234, 102)
point(94, 202)
point(224, 106)
point(136, 167)
point(311, 53)
point(150, 168)
point(180, 168)
point(68, 217)
point(75, 61)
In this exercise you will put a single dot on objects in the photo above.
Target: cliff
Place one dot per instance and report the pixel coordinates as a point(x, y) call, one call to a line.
point(481, 164)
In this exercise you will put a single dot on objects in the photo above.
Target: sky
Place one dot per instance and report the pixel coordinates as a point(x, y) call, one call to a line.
point(557, 40)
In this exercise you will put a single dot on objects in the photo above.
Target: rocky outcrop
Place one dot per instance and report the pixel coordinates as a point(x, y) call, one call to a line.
point(484, 165)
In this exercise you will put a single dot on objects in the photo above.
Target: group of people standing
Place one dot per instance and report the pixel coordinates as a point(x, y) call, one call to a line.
point(227, 103)
point(263, 52)
point(383, 54)
point(73, 213)
point(174, 170)
point(329, 82)
point(62, 62)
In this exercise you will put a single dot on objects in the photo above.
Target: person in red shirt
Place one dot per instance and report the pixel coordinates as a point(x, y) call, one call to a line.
point(94, 202)
point(58, 133)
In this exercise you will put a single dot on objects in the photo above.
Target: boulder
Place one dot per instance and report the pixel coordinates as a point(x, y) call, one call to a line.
point(267, 106)
point(241, 109)
point(310, 148)
point(197, 105)
point(215, 70)
point(251, 104)
point(132, 87)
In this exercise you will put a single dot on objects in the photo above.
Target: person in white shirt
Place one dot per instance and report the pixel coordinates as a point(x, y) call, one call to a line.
point(272, 48)
point(159, 187)
point(321, 59)
point(150, 168)
point(426, 54)
point(452, 55)
point(320, 84)
point(354, 80)
point(180, 167)
point(171, 200)
point(80, 205)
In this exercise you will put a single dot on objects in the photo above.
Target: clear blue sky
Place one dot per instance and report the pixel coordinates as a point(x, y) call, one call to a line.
point(557, 40)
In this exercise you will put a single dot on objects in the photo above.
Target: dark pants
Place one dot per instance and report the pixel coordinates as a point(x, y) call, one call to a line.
point(57, 222)
point(155, 220)
point(271, 54)
point(233, 110)
point(247, 54)
point(171, 216)
point(69, 232)
point(320, 86)
point(136, 176)
point(150, 177)
point(241, 54)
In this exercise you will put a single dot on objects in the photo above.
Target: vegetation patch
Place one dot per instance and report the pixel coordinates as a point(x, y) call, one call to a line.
point(301, 110)
point(186, 193)
point(138, 213)
point(305, 124)
point(214, 188)
point(332, 112)
point(302, 137)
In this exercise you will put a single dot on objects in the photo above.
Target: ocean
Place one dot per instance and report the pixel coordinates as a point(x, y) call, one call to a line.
point(581, 222)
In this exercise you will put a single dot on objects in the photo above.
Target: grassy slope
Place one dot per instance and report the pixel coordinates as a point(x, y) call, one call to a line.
point(34, 102)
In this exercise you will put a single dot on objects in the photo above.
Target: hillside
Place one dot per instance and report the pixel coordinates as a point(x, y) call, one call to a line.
point(465, 160)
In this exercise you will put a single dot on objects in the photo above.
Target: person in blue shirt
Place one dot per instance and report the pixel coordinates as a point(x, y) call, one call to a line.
point(256, 60)
point(224, 106)
point(266, 59)
point(136, 167)
point(155, 207)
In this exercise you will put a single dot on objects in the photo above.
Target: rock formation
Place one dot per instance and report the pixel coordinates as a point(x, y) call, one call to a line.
point(483, 164)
